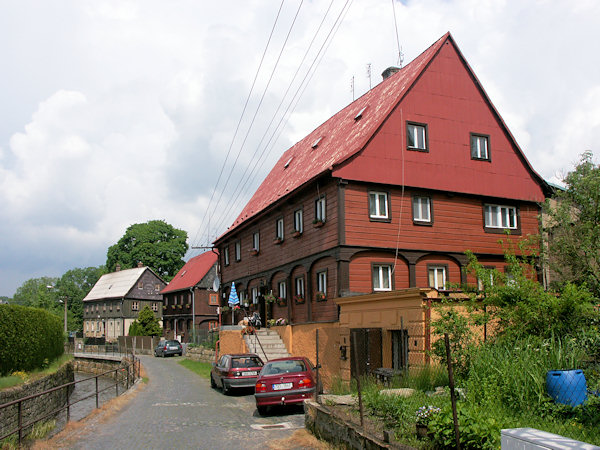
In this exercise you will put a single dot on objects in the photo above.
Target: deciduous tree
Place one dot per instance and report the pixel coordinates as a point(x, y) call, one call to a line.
point(155, 244)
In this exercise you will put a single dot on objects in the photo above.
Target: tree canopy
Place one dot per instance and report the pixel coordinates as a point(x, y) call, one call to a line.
point(155, 244)
point(573, 227)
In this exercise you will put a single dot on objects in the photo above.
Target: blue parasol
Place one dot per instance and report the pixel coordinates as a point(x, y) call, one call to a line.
point(233, 299)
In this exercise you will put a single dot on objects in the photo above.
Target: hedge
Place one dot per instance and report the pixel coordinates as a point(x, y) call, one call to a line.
point(29, 338)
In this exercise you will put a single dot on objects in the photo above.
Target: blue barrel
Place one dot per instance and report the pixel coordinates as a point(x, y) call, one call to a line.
point(567, 386)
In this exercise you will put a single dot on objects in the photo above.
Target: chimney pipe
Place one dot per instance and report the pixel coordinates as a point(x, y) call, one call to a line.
point(140, 264)
point(118, 267)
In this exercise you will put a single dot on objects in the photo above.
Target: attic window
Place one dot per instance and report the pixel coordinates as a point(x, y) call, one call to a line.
point(316, 143)
point(285, 166)
point(360, 113)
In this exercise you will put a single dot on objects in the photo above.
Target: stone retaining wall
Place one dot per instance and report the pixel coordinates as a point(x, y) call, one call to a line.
point(200, 354)
point(97, 366)
point(39, 406)
point(325, 425)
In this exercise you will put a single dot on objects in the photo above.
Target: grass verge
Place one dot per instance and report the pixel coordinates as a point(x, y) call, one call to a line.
point(17, 378)
point(198, 367)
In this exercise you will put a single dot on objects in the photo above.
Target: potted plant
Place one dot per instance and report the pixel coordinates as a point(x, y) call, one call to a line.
point(254, 252)
point(318, 223)
point(321, 297)
point(281, 321)
point(298, 299)
point(281, 301)
point(225, 308)
point(270, 298)
point(278, 240)
point(424, 414)
point(296, 234)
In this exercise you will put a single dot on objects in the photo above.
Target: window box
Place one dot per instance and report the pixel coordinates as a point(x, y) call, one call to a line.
point(188, 305)
point(180, 306)
point(297, 234)
point(173, 306)
point(277, 241)
point(321, 297)
point(318, 223)
point(299, 299)
point(281, 301)
point(164, 306)
point(254, 252)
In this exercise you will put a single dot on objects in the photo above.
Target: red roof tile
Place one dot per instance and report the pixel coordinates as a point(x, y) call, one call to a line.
point(192, 273)
point(338, 138)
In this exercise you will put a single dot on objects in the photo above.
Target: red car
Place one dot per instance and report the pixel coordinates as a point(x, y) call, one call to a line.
point(235, 371)
point(284, 381)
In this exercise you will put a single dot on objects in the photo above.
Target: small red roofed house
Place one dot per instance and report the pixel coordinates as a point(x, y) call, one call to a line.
point(189, 299)
point(385, 195)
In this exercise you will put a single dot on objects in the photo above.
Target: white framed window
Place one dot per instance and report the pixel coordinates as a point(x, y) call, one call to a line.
point(416, 136)
point(437, 277)
point(282, 289)
point(320, 209)
point(382, 277)
point(238, 250)
point(500, 216)
point(298, 221)
point(254, 295)
point(489, 276)
point(279, 229)
point(135, 306)
point(92, 326)
point(256, 241)
point(140, 285)
point(226, 255)
point(422, 209)
point(322, 282)
point(299, 286)
point(480, 147)
point(378, 205)
point(154, 306)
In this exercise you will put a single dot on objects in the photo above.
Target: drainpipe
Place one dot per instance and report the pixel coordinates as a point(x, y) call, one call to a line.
point(193, 316)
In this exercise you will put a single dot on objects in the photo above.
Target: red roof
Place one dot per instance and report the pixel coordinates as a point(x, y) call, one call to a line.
point(192, 273)
point(344, 135)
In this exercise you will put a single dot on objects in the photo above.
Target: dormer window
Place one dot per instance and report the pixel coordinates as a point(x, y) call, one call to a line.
point(316, 143)
point(285, 166)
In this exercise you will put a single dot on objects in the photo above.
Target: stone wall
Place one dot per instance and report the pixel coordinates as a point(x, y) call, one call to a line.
point(38, 406)
point(200, 354)
point(97, 366)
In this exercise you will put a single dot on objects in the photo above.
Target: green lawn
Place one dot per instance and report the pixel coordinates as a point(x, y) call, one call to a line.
point(199, 367)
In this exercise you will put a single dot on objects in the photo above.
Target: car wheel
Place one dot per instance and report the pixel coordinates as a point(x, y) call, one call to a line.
point(180, 354)
point(212, 382)
point(226, 388)
point(262, 410)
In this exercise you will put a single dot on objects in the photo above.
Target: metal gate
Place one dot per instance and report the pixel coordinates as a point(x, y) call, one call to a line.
point(399, 349)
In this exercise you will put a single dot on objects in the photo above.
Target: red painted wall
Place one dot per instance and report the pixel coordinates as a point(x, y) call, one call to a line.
point(449, 102)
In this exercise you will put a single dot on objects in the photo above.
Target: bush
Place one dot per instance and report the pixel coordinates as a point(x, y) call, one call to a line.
point(476, 430)
point(29, 338)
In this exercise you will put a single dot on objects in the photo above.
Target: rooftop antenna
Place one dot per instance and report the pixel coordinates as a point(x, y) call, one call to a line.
point(369, 74)
point(400, 54)
point(352, 86)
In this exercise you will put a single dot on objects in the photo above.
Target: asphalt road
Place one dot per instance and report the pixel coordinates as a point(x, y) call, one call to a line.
point(178, 409)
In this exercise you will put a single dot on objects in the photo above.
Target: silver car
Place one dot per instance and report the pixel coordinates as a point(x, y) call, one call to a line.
point(166, 348)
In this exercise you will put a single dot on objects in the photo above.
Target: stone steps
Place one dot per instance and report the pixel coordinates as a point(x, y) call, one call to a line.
point(271, 343)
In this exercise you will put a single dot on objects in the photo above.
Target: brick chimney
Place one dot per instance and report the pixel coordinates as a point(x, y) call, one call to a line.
point(389, 72)
point(118, 268)
point(140, 264)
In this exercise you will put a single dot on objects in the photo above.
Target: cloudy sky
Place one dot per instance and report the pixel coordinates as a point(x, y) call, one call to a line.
point(119, 112)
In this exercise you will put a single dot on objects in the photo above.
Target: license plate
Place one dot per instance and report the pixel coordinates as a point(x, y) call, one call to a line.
point(280, 386)
point(172, 348)
point(246, 374)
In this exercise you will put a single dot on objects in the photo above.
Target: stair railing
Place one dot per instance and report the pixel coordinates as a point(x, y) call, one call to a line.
point(256, 339)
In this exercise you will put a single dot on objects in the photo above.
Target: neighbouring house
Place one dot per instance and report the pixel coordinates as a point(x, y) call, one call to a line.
point(116, 299)
point(190, 299)
point(385, 196)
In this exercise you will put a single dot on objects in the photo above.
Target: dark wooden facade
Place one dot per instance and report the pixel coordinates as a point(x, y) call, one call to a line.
point(443, 98)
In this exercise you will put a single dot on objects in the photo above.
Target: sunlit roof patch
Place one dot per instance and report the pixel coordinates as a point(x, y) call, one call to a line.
point(288, 163)
point(360, 113)
point(316, 143)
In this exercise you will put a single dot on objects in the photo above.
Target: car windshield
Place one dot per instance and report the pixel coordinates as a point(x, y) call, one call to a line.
point(276, 367)
point(249, 361)
point(172, 342)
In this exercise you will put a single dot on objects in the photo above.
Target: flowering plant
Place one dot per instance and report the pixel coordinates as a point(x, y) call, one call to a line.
point(321, 296)
point(281, 321)
point(424, 414)
point(281, 301)
point(236, 307)
point(299, 298)
point(270, 298)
